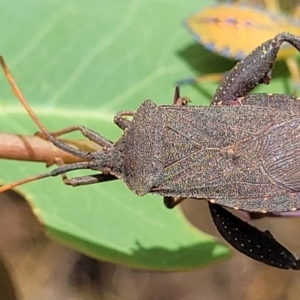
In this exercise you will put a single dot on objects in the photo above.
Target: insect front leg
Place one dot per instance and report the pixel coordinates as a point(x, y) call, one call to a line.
point(88, 179)
point(120, 118)
point(80, 180)
point(89, 133)
point(256, 68)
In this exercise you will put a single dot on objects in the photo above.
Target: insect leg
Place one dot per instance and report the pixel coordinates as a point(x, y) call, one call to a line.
point(171, 202)
point(250, 241)
point(84, 180)
point(178, 100)
point(89, 133)
point(256, 68)
point(293, 67)
point(55, 172)
point(88, 179)
point(291, 61)
point(61, 145)
point(99, 162)
point(120, 119)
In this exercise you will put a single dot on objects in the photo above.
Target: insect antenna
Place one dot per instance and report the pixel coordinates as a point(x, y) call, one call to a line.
point(45, 132)
point(21, 98)
point(55, 172)
point(58, 171)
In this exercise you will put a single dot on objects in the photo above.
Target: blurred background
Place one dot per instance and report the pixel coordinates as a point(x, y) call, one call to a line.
point(35, 267)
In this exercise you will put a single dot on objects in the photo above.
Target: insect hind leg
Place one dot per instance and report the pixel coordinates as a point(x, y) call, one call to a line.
point(250, 241)
point(256, 68)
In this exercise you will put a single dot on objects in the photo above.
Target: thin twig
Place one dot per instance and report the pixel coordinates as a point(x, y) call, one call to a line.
point(36, 149)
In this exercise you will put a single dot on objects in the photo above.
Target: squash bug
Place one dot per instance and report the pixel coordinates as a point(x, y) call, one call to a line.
point(241, 152)
point(232, 30)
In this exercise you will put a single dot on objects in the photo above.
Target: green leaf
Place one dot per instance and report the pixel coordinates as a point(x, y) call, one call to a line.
point(81, 62)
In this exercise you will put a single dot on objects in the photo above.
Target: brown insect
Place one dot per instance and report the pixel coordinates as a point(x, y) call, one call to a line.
point(242, 152)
